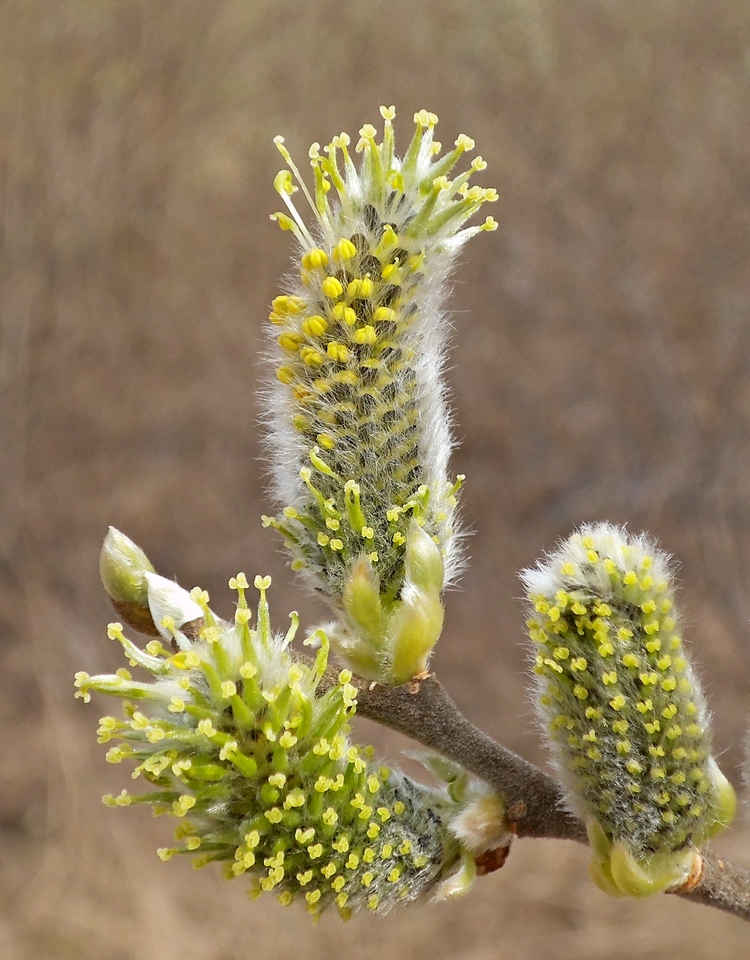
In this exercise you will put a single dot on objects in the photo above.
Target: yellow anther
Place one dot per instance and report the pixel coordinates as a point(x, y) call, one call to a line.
point(366, 335)
point(346, 378)
point(314, 259)
point(344, 313)
point(359, 289)
point(338, 351)
point(315, 326)
point(344, 250)
point(383, 315)
point(423, 118)
point(311, 357)
point(392, 272)
point(332, 288)
point(288, 306)
point(285, 374)
point(283, 183)
point(290, 341)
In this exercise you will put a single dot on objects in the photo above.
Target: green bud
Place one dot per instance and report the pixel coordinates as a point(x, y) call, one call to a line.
point(393, 647)
point(461, 881)
point(725, 806)
point(423, 562)
point(413, 630)
point(123, 567)
point(652, 874)
point(362, 597)
point(601, 876)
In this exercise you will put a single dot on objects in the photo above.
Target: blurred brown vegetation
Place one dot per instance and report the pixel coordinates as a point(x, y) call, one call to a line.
point(600, 370)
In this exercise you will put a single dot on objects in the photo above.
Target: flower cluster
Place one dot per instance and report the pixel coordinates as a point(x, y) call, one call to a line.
point(246, 749)
point(623, 710)
point(360, 434)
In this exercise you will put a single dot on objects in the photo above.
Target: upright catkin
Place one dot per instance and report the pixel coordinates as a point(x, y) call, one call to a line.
point(623, 709)
point(359, 433)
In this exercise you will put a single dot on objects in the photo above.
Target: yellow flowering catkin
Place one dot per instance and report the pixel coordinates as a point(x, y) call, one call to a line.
point(359, 433)
point(253, 758)
point(623, 710)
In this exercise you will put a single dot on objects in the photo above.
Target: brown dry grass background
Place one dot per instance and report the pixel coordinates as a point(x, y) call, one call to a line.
point(600, 371)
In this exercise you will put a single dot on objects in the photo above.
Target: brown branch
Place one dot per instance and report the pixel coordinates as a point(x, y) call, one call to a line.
point(423, 711)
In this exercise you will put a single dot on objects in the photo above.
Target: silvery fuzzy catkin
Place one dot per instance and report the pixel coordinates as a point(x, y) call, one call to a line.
point(256, 762)
point(359, 430)
point(623, 710)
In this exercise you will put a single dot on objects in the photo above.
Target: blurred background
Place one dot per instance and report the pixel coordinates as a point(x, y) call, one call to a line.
point(600, 369)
